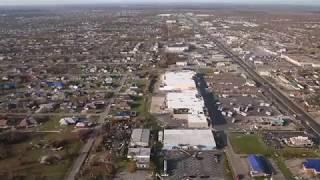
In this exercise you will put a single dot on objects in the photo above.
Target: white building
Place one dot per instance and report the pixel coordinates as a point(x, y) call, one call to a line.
point(188, 139)
point(176, 49)
point(183, 98)
point(182, 63)
point(177, 81)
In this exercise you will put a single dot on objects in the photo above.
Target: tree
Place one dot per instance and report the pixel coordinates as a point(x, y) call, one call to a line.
point(132, 167)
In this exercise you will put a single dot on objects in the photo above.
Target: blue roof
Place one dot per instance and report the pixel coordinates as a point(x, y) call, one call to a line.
point(259, 164)
point(312, 164)
point(8, 85)
point(55, 84)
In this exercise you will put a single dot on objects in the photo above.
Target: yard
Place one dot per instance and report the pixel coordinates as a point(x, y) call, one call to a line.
point(248, 144)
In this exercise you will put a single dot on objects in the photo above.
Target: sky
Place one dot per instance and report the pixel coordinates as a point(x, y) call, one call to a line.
point(60, 2)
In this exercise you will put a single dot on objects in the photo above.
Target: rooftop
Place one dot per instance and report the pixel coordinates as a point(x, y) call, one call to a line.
point(199, 165)
point(181, 80)
point(312, 164)
point(202, 139)
point(140, 137)
point(258, 164)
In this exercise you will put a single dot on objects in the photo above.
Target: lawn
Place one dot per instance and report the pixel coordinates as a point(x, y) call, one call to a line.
point(289, 153)
point(282, 166)
point(24, 157)
point(51, 124)
point(248, 144)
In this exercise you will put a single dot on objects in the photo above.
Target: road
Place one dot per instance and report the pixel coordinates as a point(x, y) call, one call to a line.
point(307, 120)
point(76, 167)
point(80, 159)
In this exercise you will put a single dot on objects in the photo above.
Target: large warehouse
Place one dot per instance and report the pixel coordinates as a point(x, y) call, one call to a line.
point(177, 80)
point(200, 139)
point(183, 98)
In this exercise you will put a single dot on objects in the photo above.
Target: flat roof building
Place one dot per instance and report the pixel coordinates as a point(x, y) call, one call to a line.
point(200, 139)
point(140, 138)
point(183, 97)
point(193, 165)
point(177, 81)
point(141, 156)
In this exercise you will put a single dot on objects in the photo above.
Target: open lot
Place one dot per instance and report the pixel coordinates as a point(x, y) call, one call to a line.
point(23, 157)
point(248, 144)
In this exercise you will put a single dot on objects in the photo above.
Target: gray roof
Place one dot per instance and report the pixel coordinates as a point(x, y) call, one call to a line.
point(182, 166)
point(140, 135)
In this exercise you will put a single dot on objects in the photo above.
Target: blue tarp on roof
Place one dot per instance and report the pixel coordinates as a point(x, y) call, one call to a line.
point(123, 113)
point(55, 84)
point(259, 164)
point(8, 85)
point(312, 164)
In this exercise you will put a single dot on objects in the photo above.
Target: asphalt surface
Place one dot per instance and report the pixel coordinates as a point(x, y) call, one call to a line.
point(216, 118)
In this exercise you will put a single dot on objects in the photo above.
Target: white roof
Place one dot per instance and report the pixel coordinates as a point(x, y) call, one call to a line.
point(180, 80)
point(190, 137)
point(184, 95)
point(185, 99)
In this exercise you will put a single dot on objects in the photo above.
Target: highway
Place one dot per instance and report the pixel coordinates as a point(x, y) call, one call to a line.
point(306, 120)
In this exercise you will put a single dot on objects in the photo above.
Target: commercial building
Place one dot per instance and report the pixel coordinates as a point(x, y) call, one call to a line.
point(141, 156)
point(312, 165)
point(259, 166)
point(190, 103)
point(183, 98)
point(140, 138)
point(177, 81)
point(188, 139)
point(193, 165)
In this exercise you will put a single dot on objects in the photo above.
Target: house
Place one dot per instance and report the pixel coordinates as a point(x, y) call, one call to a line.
point(3, 124)
point(312, 165)
point(83, 124)
point(27, 123)
point(44, 108)
point(55, 84)
point(67, 121)
point(141, 156)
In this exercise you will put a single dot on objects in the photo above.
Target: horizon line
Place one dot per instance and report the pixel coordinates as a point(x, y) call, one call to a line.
point(162, 3)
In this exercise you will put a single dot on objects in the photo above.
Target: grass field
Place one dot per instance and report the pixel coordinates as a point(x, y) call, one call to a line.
point(299, 153)
point(24, 157)
point(248, 144)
